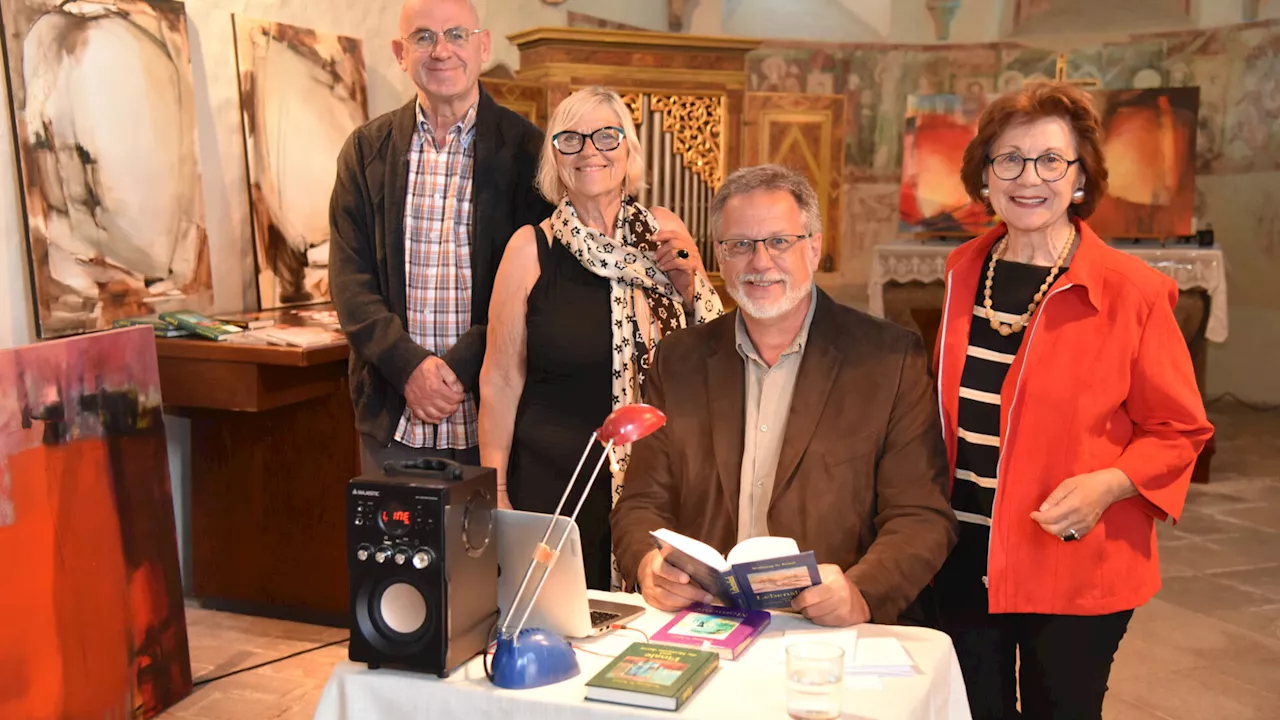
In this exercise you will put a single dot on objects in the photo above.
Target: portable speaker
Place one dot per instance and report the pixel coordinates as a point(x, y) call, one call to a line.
point(423, 563)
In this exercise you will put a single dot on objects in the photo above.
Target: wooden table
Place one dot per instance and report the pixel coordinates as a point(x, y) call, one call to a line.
point(273, 444)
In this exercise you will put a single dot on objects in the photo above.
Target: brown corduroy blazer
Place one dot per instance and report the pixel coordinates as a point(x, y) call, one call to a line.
point(862, 475)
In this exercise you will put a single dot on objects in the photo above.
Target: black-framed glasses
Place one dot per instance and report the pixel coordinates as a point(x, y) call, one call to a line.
point(775, 245)
point(1051, 167)
point(425, 39)
point(570, 142)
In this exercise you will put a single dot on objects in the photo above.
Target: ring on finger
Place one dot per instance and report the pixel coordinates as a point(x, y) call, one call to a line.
point(682, 254)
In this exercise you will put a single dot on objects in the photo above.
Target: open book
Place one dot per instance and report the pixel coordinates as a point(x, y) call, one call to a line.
point(762, 573)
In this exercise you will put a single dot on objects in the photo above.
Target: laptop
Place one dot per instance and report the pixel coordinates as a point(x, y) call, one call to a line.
point(563, 607)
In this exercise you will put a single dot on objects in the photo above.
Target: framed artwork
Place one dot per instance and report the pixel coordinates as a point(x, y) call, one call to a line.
point(933, 200)
point(1149, 141)
point(302, 93)
point(104, 126)
point(95, 621)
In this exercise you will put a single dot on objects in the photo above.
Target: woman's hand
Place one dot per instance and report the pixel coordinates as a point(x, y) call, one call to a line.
point(1078, 502)
point(678, 257)
point(677, 254)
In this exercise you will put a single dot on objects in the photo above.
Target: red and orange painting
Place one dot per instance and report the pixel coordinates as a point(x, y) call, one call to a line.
point(91, 618)
point(1149, 141)
point(934, 201)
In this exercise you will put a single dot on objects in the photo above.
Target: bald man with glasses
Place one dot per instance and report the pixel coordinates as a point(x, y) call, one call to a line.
point(426, 198)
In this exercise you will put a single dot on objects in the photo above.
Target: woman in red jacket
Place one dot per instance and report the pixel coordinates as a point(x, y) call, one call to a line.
point(1071, 415)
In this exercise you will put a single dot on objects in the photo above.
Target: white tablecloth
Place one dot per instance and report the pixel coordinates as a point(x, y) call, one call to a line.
point(750, 687)
point(1193, 268)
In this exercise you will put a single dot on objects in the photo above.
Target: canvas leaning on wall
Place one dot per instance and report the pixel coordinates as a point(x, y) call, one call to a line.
point(104, 119)
point(93, 618)
point(302, 93)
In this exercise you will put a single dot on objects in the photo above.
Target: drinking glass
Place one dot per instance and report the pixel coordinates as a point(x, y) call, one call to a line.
point(815, 681)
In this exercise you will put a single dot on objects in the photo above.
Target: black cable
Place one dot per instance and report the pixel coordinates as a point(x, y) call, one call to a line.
point(206, 681)
point(1256, 407)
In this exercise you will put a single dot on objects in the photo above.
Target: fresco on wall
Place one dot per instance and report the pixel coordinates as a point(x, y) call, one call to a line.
point(1251, 117)
point(1201, 60)
point(302, 93)
point(1149, 141)
point(95, 625)
point(933, 199)
point(105, 124)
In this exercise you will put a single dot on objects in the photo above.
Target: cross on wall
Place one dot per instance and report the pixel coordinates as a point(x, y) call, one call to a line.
point(1060, 74)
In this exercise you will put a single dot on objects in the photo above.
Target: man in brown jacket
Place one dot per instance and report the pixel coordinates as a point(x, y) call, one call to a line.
point(795, 417)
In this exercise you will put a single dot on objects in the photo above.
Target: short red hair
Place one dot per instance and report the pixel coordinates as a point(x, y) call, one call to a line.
point(1035, 101)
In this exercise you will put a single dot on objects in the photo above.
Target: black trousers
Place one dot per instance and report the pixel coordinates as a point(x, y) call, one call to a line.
point(1058, 664)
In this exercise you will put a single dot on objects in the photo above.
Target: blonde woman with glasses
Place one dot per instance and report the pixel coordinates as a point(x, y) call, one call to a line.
point(579, 304)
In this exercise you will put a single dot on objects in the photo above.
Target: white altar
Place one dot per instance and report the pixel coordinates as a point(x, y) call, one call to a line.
point(1193, 268)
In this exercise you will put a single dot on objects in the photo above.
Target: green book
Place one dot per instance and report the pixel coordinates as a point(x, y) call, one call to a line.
point(199, 325)
point(653, 676)
point(160, 327)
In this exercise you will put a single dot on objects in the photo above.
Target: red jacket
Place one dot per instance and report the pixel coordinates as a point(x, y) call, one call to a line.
point(1103, 379)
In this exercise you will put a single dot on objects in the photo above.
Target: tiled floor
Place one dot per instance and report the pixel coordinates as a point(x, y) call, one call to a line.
point(1207, 647)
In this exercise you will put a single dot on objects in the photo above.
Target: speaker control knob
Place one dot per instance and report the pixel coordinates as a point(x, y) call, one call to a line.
point(382, 554)
point(402, 556)
point(363, 552)
point(422, 558)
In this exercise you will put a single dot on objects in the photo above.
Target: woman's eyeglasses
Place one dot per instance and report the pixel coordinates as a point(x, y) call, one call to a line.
point(570, 142)
point(425, 40)
point(1051, 167)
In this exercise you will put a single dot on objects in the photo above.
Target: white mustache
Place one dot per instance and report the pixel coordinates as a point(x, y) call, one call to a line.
point(761, 277)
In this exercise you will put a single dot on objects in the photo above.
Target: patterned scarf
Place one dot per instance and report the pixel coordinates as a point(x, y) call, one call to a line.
point(644, 305)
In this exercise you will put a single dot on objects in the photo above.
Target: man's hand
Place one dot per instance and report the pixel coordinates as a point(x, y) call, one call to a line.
point(433, 392)
point(836, 602)
point(665, 587)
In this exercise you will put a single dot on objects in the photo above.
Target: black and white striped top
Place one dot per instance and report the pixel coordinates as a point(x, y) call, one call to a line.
point(987, 362)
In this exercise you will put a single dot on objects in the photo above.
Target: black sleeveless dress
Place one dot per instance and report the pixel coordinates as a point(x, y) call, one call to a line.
point(567, 395)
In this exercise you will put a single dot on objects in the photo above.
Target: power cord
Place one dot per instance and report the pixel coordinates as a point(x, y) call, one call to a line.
point(206, 681)
point(1256, 407)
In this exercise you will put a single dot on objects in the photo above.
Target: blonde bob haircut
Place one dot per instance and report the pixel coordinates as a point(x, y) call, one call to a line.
point(548, 181)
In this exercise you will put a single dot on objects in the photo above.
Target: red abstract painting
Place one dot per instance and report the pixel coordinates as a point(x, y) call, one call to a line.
point(91, 618)
point(934, 201)
point(1149, 141)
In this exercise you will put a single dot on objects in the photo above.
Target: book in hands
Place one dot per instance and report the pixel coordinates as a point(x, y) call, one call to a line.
point(653, 676)
point(761, 573)
point(726, 631)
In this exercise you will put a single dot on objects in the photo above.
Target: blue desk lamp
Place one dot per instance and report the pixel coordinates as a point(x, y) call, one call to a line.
point(532, 657)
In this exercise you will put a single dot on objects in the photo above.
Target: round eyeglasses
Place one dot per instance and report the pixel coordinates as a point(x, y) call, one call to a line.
point(570, 142)
point(424, 39)
point(775, 245)
point(1051, 167)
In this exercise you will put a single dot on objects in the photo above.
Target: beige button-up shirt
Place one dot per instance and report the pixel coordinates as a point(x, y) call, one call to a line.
point(768, 401)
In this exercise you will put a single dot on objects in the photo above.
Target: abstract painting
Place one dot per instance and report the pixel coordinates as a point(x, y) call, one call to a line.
point(104, 119)
point(301, 95)
point(94, 623)
point(933, 199)
point(1149, 141)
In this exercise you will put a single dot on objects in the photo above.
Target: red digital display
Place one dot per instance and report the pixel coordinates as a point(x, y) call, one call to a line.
point(395, 519)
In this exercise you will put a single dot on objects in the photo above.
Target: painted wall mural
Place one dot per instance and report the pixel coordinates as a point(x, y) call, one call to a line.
point(105, 127)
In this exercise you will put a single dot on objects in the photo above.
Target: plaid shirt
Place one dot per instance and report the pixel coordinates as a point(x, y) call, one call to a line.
point(437, 232)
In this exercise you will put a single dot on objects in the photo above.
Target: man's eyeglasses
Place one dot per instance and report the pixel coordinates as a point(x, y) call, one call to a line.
point(425, 39)
point(1051, 167)
point(569, 142)
point(775, 245)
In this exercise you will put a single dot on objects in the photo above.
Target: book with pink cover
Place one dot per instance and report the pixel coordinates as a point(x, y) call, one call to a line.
point(726, 631)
